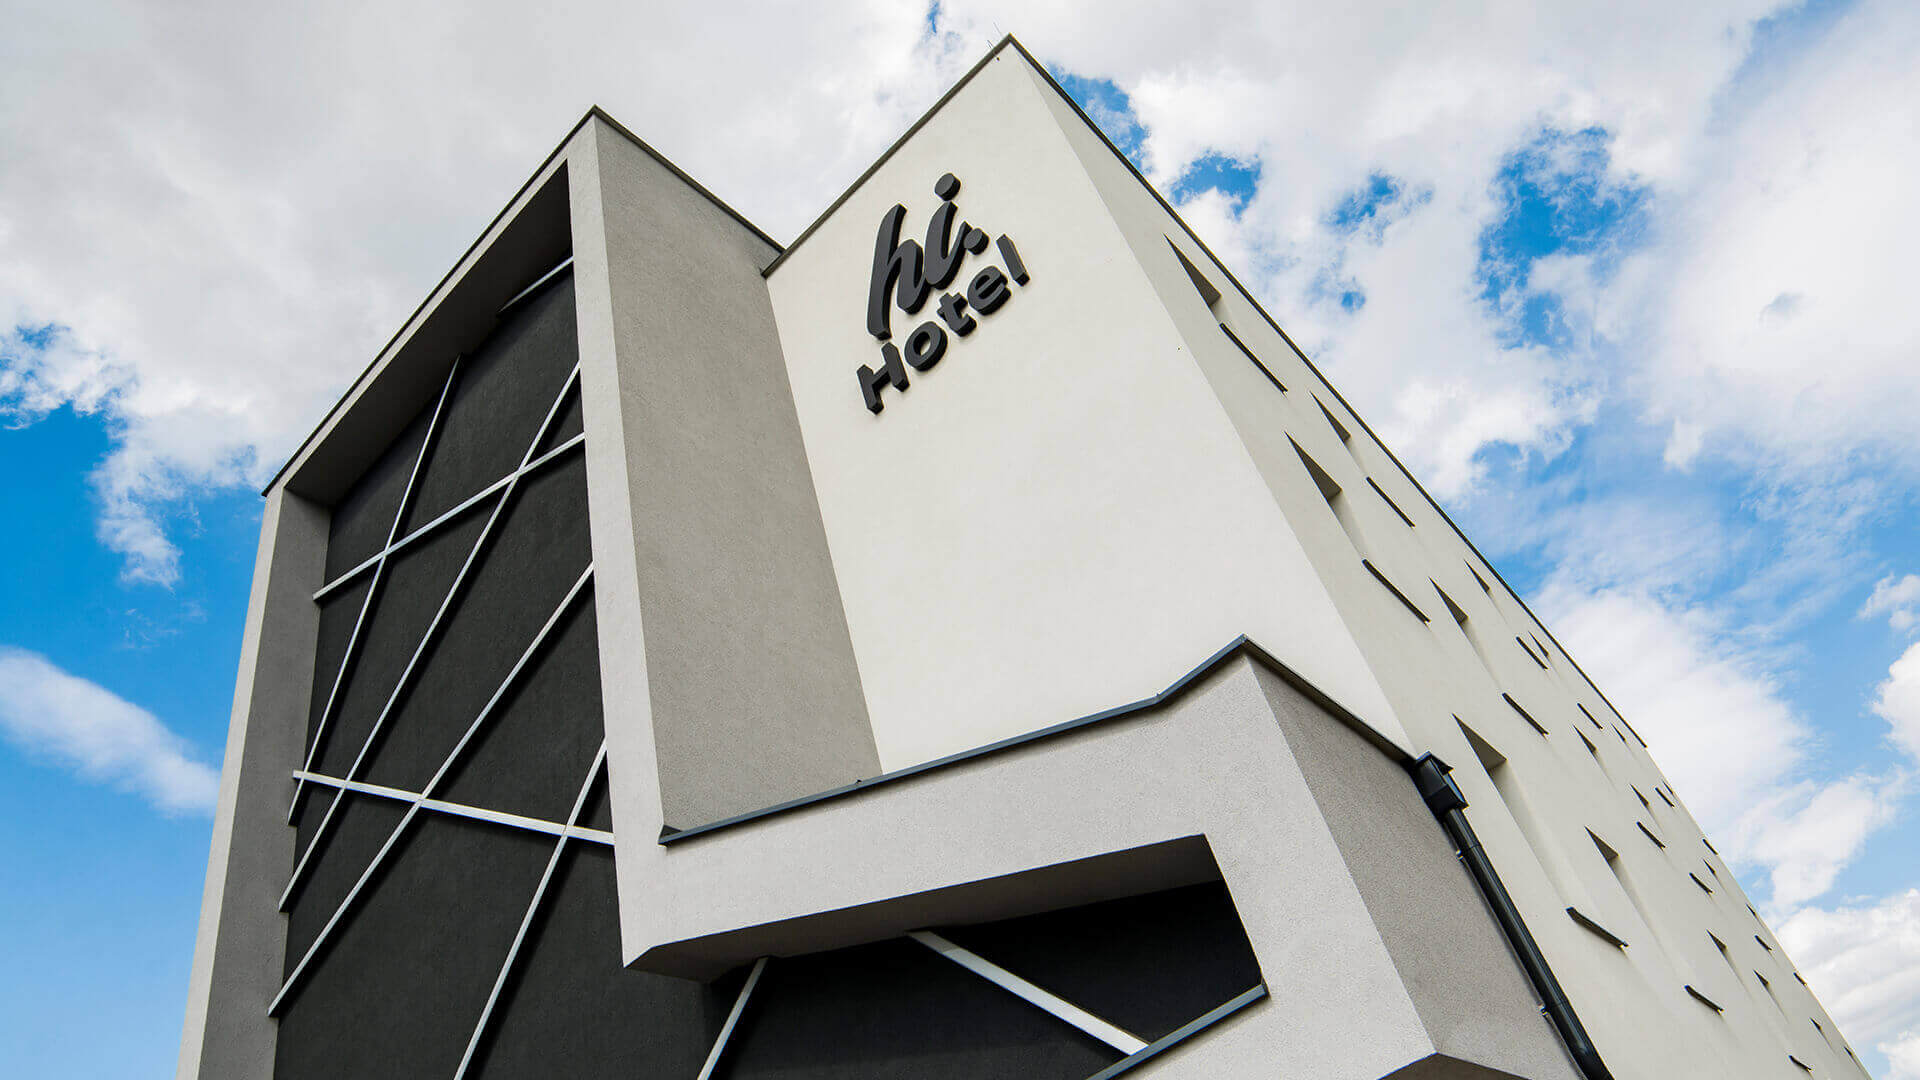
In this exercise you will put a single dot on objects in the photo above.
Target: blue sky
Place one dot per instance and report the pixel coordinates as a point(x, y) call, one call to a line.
point(1627, 300)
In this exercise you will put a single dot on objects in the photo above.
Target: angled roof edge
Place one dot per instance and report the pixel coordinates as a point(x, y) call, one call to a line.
point(1054, 84)
point(520, 194)
point(911, 131)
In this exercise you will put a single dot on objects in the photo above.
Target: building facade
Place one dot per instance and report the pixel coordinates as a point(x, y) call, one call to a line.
point(970, 641)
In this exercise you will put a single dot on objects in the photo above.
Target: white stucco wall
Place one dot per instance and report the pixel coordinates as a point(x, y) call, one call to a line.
point(1059, 517)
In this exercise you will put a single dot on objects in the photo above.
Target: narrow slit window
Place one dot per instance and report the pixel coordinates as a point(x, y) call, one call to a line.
point(1257, 362)
point(1529, 651)
point(1395, 590)
point(1388, 499)
point(1589, 716)
point(1524, 714)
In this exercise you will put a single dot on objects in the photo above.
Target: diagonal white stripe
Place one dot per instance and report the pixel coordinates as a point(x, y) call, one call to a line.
point(733, 1020)
point(353, 894)
point(426, 639)
point(1124, 1041)
point(373, 587)
point(477, 813)
point(526, 921)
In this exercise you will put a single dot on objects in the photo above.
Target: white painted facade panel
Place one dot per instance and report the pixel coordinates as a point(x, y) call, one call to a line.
point(1059, 517)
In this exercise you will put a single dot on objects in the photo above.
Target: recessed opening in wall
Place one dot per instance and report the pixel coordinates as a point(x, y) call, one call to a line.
point(1524, 714)
point(1704, 887)
point(1545, 656)
point(1395, 590)
point(1339, 428)
point(1594, 752)
point(1589, 716)
point(1388, 499)
point(1336, 499)
point(1546, 849)
point(1636, 791)
point(1480, 581)
point(1200, 283)
point(1724, 954)
point(1617, 867)
point(1467, 629)
point(1529, 651)
point(1257, 362)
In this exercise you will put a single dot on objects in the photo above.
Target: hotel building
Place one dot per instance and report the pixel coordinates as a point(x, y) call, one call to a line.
point(971, 641)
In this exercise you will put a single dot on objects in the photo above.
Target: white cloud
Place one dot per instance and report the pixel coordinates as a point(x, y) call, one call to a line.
point(1777, 324)
point(1864, 963)
point(1898, 701)
point(1725, 736)
point(61, 717)
point(264, 191)
point(1896, 598)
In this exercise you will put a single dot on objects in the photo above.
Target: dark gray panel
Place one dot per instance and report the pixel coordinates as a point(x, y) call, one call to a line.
point(538, 550)
point(503, 393)
point(360, 826)
point(402, 984)
point(896, 1009)
point(416, 579)
point(534, 755)
point(571, 1010)
point(364, 516)
point(1147, 963)
point(337, 616)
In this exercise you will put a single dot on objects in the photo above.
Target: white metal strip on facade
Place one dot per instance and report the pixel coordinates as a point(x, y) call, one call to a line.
point(373, 588)
point(427, 637)
point(733, 1019)
point(1124, 1041)
point(446, 766)
point(477, 813)
point(526, 921)
point(462, 507)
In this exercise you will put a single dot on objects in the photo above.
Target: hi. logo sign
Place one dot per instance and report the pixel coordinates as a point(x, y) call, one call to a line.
point(913, 274)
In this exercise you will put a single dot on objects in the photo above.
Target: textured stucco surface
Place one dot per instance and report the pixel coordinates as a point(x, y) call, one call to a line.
point(237, 957)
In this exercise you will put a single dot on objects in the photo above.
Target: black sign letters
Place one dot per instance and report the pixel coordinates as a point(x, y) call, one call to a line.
point(913, 273)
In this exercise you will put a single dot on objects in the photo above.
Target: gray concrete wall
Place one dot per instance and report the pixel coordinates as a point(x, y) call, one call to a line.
point(1465, 982)
point(704, 518)
point(237, 955)
point(1234, 760)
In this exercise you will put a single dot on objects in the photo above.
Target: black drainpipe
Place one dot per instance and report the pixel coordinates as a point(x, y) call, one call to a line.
point(1443, 797)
